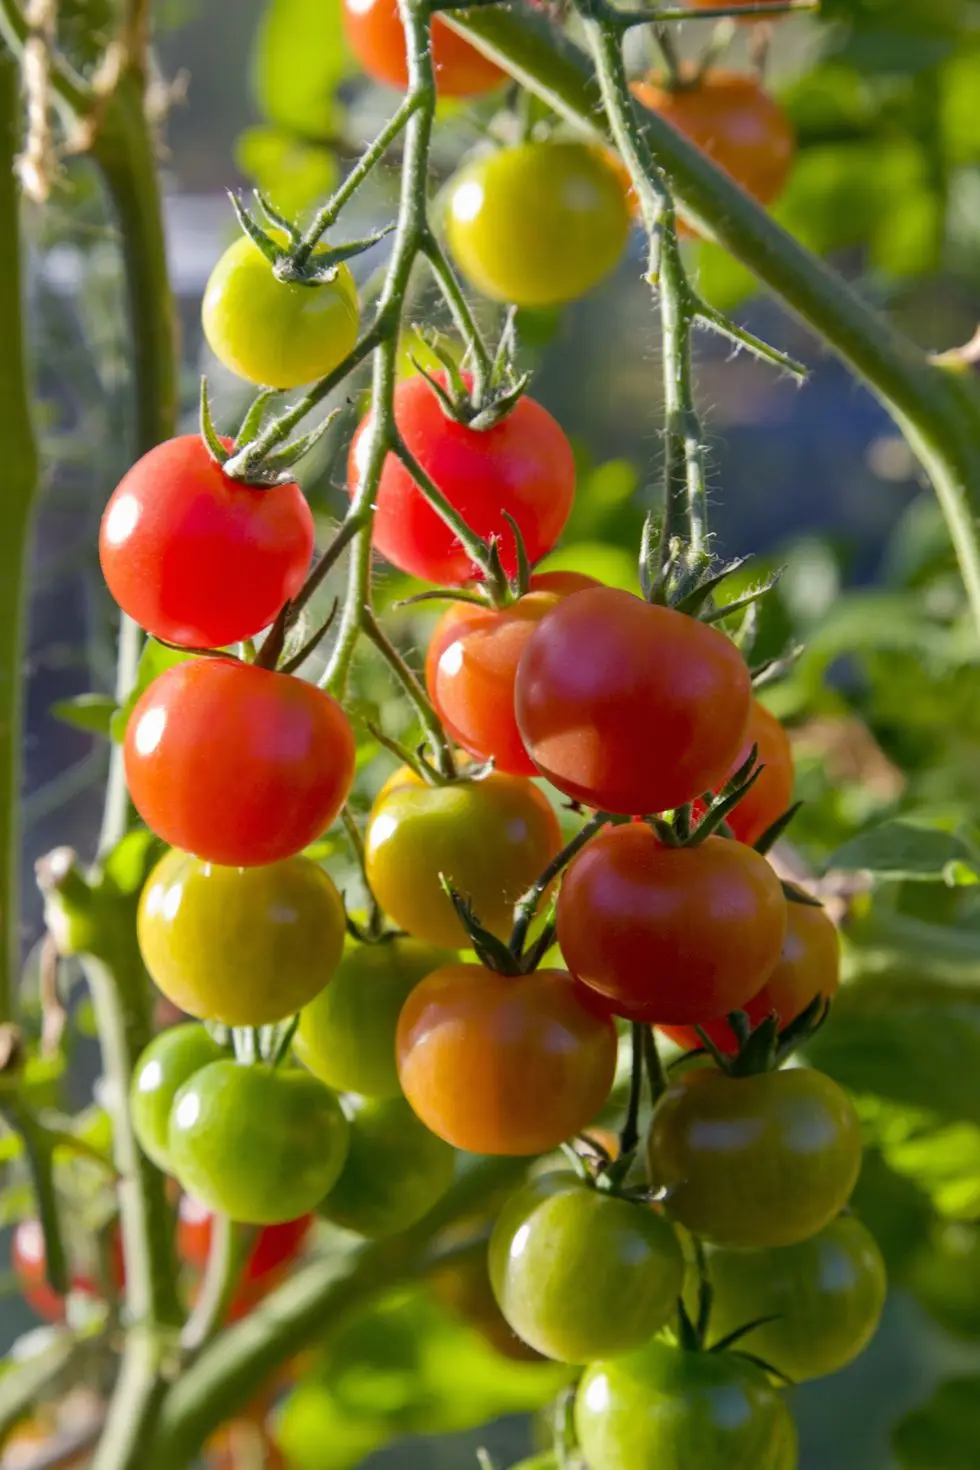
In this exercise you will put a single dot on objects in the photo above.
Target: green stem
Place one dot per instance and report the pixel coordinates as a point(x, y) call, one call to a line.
point(440, 747)
point(527, 905)
point(630, 1134)
point(759, 10)
point(227, 1254)
point(462, 315)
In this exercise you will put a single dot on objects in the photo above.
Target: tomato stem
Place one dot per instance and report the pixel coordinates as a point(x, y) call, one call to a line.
point(630, 1133)
point(439, 745)
point(527, 905)
point(656, 1076)
point(227, 1253)
point(480, 363)
point(761, 9)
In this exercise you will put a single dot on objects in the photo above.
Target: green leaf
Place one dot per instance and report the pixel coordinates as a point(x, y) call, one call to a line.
point(904, 849)
point(291, 172)
point(91, 712)
point(300, 58)
point(942, 1159)
point(128, 865)
point(943, 1434)
point(154, 660)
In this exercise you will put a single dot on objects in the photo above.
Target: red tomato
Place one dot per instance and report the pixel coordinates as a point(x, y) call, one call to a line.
point(236, 764)
point(28, 1260)
point(523, 465)
point(772, 793)
point(197, 558)
point(376, 36)
point(276, 1247)
point(630, 707)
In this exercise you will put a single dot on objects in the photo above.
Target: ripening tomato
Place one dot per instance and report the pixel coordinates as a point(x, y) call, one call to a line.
point(497, 1064)
point(197, 558)
point(395, 1171)
point(236, 764)
point(29, 1263)
point(537, 224)
point(670, 934)
point(522, 465)
point(376, 36)
point(471, 666)
point(169, 1061)
point(491, 838)
point(461, 1284)
point(771, 794)
point(754, 1161)
point(630, 707)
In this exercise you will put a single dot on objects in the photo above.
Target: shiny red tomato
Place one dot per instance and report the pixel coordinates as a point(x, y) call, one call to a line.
point(29, 1263)
point(376, 36)
point(523, 465)
point(236, 764)
point(197, 558)
point(771, 794)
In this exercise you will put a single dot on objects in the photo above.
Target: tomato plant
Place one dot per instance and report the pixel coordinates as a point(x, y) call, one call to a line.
point(395, 1170)
point(276, 1249)
point(169, 1061)
point(377, 38)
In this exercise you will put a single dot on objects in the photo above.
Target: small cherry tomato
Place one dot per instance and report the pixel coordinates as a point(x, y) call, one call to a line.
point(537, 224)
point(396, 1170)
point(197, 558)
point(236, 764)
point(461, 1285)
point(754, 1161)
point(630, 707)
point(376, 36)
point(29, 1263)
point(771, 795)
point(497, 1064)
point(169, 1061)
point(580, 1274)
point(522, 465)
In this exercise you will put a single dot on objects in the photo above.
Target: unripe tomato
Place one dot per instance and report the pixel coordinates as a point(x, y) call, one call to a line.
point(236, 764)
point(630, 707)
point(461, 1285)
point(197, 558)
point(771, 794)
point(259, 1145)
point(376, 36)
point(754, 1161)
point(537, 224)
point(680, 934)
point(169, 1061)
point(497, 1064)
point(245, 946)
point(580, 1274)
point(522, 465)
point(396, 1170)
point(491, 839)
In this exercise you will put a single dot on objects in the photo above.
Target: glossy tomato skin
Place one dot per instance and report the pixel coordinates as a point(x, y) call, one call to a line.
point(501, 1065)
point(523, 465)
point(670, 934)
point(396, 1170)
point(630, 707)
point(766, 1160)
point(471, 667)
point(682, 1411)
point(278, 334)
point(537, 224)
point(259, 1145)
point(197, 558)
point(236, 764)
point(376, 36)
point(169, 1061)
point(825, 1295)
point(244, 946)
point(581, 1274)
point(771, 795)
point(491, 838)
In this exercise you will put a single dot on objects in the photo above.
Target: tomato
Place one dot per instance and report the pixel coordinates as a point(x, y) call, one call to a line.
point(471, 666)
point(670, 934)
point(169, 1061)
point(537, 224)
point(461, 1284)
point(945, 1276)
point(754, 1161)
point(259, 1145)
point(275, 1245)
point(630, 707)
point(681, 1410)
point(395, 1172)
point(29, 1263)
point(771, 794)
point(376, 36)
point(197, 558)
point(245, 946)
point(491, 838)
point(826, 1295)
point(580, 1274)
point(522, 465)
point(236, 764)
point(497, 1064)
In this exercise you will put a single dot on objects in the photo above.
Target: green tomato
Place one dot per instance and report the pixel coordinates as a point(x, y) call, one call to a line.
point(396, 1170)
point(580, 1274)
point(276, 333)
point(346, 1034)
point(169, 1061)
point(945, 1276)
point(665, 1409)
point(259, 1145)
point(244, 946)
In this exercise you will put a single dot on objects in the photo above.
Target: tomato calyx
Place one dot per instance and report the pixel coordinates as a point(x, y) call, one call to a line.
point(764, 1048)
point(467, 401)
point(674, 574)
point(301, 263)
point(692, 1334)
point(247, 458)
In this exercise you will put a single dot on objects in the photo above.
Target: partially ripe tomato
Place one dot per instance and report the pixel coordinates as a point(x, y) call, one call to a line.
point(771, 794)
point(522, 465)
point(197, 558)
point(236, 764)
point(169, 1061)
point(376, 36)
point(395, 1172)
point(630, 707)
point(497, 1064)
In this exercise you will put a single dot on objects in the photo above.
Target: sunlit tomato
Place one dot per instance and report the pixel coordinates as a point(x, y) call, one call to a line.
point(497, 1064)
point(522, 465)
point(236, 764)
point(169, 1061)
point(276, 1247)
point(771, 795)
point(197, 558)
point(670, 934)
point(461, 1284)
point(471, 666)
point(754, 1161)
point(628, 706)
point(491, 838)
point(537, 224)
point(376, 36)
point(29, 1263)
point(580, 1274)
point(396, 1170)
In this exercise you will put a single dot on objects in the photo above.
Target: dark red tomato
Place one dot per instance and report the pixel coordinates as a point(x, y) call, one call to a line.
point(376, 36)
point(630, 707)
point(772, 793)
point(28, 1261)
point(670, 934)
point(236, 764)
point(523, 466)
point(197, 558)
point(471, 667)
